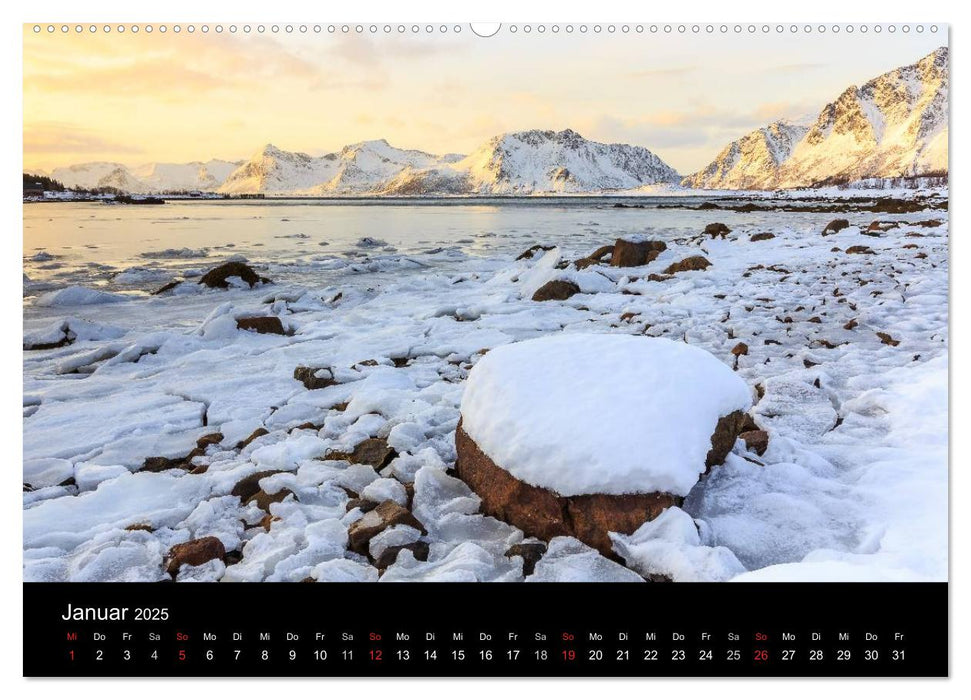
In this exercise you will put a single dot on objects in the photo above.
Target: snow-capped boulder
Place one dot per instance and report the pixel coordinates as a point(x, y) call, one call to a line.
point(584, 434)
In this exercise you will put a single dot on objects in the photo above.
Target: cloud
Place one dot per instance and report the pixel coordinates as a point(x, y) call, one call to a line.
point(790, 68)
point(675, 72)
point(166, 68)
point(799, 112)
point(61, 137)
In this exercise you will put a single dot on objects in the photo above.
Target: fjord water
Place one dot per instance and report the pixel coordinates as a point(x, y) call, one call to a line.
point(89, 243)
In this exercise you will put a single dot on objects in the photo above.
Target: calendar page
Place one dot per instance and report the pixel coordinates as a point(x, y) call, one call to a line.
point(436, 332)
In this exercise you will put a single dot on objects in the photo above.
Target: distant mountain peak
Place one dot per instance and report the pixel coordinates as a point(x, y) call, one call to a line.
point(893, 125)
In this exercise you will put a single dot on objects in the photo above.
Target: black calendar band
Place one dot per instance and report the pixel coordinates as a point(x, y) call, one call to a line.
point(429, 629)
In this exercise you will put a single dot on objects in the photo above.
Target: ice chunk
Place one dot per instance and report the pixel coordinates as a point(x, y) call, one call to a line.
point(670, 546)
point(392, 537)
point(87, 476)
point(795, 408)
point(568, 559)
point(47, 471)
point(467, 562)
point(344, 571)
point(78, 296)
point(68, 429)
point(160, 500)
point(289, 453)
point(437, 494)
point(212, 570)
point(217, 517)
point(381, 490)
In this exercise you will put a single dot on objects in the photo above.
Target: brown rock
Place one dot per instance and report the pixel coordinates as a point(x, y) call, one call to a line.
point(756, 237)
point(140, 527)
point(695, 262)
point(531, 552)
point(373, 451)
point(259, 432)
point(654, 277)
point(210, 439)
point(717, 229)
point(889, 205)
point(851, 324)
point(167, 287)
point(635, 253)
point(748, 423)
point(308, 376)
point(601, 252)
point(835, 226)
point(723, 439)
point(860, 250)
point(385, 515)
point(886, 339)
point(262, 500)
point(545, 514)
point(194, 553)
point(217, 276)
point(261, 324)
point(739, 350)
point(556, 290)
point(882, 226)
point(595, 258)
point(233, 557)
point(364, 504)
point(161, 464)
point(248, 486)
point(389, 556)
point(532, 250)
point(756, 440)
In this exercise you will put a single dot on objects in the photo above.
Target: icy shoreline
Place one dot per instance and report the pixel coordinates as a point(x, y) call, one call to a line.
point(147, 377)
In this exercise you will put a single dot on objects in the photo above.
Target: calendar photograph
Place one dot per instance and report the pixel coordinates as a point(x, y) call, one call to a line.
point(543, 303)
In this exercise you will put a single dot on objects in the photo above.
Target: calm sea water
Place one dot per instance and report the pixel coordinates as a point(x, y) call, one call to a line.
point(89, 243)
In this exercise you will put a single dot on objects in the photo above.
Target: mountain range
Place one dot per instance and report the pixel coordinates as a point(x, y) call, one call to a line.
point(894, 125)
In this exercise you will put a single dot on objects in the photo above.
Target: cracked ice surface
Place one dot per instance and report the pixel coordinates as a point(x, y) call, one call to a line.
point(852, 486)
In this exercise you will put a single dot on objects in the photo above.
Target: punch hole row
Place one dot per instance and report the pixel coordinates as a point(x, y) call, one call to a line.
point(426, 29)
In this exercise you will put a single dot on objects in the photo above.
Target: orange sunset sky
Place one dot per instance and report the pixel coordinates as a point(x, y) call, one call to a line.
point(180, 97)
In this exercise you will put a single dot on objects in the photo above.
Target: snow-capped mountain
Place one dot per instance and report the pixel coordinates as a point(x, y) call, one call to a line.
point(536, 162)
point(527, 162)
point(894, 125)
point(360, 168)
point(152, 177)
point(752, 162)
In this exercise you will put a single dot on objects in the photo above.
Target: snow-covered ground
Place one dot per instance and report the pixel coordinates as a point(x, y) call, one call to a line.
point(853, 484)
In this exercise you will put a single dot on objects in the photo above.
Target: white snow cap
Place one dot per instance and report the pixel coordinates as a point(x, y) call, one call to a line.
point(598, 413)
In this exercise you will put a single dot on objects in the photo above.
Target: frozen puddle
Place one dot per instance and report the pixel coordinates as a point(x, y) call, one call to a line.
point(151, 421)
